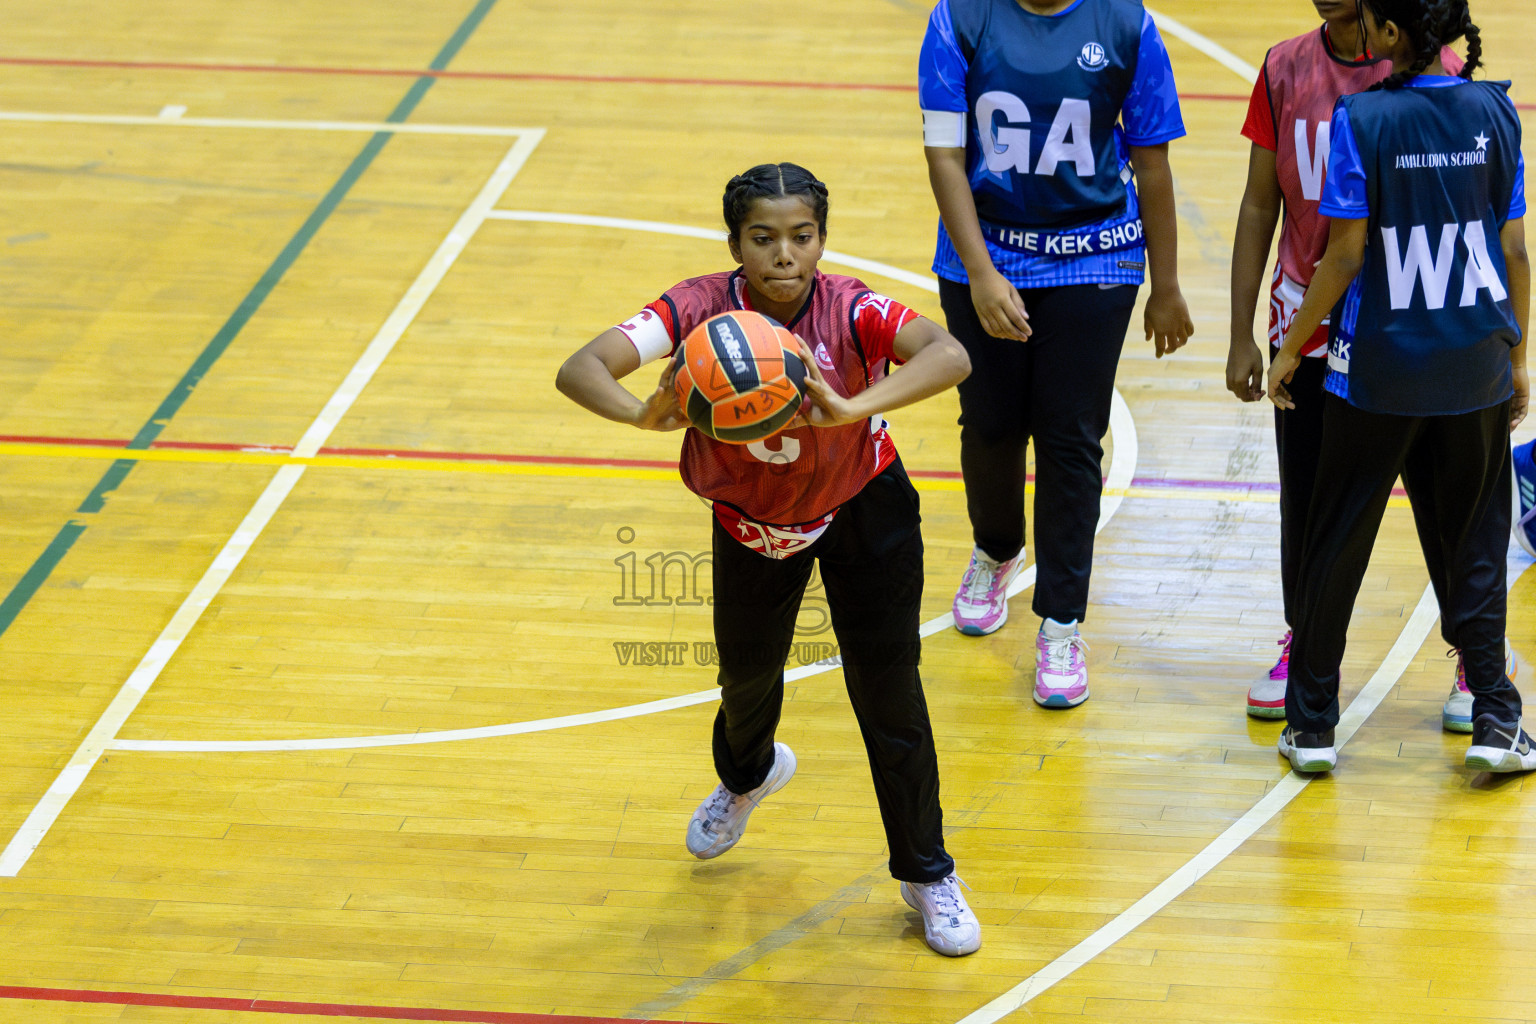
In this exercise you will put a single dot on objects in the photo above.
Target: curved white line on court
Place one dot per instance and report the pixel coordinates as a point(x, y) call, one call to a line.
point(661, 228)
point(1212, 49)
point(444, 736)
point(1423, 619)
point(1122, 468)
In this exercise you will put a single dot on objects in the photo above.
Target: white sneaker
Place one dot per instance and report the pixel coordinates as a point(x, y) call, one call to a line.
point(949, 926)
point(1456, 715)
point(722, 817)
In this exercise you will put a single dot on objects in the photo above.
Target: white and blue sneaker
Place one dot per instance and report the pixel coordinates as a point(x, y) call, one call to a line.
point(1523, 519)
point(949, 925)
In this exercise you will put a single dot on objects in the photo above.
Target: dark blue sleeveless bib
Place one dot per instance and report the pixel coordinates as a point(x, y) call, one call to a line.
point(1427, 326)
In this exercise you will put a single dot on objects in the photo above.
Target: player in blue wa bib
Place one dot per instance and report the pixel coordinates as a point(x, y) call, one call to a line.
point(1426, 367)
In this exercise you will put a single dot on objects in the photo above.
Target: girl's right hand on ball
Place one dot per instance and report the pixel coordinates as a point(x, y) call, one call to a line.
point(660, 410)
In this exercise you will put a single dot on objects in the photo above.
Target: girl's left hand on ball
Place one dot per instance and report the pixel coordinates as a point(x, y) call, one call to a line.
point(823, 407)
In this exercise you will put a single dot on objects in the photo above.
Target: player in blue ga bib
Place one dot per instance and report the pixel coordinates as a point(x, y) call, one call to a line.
point(1040, 118)
point(1426, 262)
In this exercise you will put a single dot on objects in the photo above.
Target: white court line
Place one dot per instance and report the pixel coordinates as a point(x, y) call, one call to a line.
point(100, 738)
point(1171, 888)
point(442, 736)
point(661, 228)
point(1122, 468)
point(1212, 49)
point(163, 120)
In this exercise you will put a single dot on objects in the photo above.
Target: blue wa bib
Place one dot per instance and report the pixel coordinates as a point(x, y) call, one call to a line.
point(1427, 326)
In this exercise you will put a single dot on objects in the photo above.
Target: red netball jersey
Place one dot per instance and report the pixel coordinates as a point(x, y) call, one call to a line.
point(786, 487)
point(1288, 114)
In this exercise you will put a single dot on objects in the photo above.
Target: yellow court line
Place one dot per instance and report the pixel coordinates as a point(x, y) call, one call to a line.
point(256, 457)
point(269, 458)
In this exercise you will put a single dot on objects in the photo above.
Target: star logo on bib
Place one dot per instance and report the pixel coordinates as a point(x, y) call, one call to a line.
point(1481, 140)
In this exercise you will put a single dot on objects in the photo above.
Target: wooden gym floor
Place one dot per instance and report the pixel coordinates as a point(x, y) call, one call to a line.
point(324, 617)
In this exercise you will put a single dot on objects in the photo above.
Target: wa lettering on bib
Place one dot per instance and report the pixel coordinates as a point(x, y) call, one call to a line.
point(1435, 169)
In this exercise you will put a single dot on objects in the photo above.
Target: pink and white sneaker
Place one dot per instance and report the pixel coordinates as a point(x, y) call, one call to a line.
point(1061, 673)
point(981, 603)
point(1456, 715)
point(1266, 698)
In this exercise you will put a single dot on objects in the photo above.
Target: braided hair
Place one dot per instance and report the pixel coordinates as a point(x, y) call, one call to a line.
point(1429, 25)
point(770, 181)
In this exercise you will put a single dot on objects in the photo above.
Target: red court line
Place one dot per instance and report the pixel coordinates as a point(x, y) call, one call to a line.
point(497, 76)
point(500, 76)
point(406, 455)
point(515, 76)
point(62, 995)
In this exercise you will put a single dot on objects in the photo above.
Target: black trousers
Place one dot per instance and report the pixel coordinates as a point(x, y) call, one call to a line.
point(1056, 389)
point(871, 561)
point(1298, 444)
point(1457, 473)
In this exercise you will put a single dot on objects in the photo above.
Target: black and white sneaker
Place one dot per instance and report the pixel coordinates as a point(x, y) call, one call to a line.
point(1500, 747)
point(1309, 751)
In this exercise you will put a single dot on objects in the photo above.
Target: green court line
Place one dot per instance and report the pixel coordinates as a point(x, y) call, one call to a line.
point(113, 478)
point(33, 578)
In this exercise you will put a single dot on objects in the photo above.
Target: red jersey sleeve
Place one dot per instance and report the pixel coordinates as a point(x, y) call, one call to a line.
point(876, 321)
point(1259, 127)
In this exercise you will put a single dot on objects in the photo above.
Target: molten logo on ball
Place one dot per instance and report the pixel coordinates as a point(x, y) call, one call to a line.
point(740, 377)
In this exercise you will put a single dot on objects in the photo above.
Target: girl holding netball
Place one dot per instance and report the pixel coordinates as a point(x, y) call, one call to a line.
point(1288, 124)
point(829, 490)
point(1426, 366)
point(1036, 116)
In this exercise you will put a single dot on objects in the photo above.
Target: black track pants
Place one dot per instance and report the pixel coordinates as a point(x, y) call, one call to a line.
point(871, 561)
point(1457, 473)
point(1054, 388)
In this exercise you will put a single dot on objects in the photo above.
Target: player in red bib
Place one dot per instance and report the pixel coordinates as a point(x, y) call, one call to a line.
point(829, 489)
point(1288, 120)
